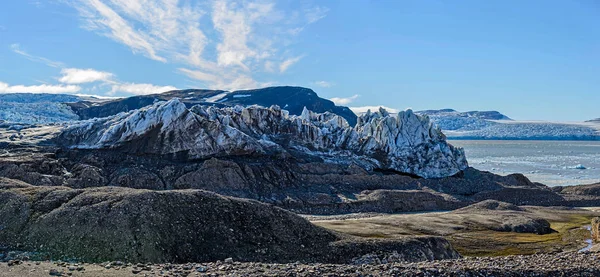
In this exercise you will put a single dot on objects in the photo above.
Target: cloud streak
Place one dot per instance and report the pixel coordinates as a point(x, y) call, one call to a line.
point(17, 49)
point(6, 88)
point(219, 43)
point(283, 67)
point(323, 84)
point(344, 101)
point(102, 18)
point(82, 76)
point(140, 89)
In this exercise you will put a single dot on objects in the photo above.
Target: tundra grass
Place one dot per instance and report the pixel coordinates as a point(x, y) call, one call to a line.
point(474, 241)
point(569, 235)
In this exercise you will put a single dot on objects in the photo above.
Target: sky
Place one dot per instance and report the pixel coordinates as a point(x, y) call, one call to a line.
point(531, 60)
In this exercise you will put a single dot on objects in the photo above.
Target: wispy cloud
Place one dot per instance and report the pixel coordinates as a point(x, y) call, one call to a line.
point(104, 19)
point(81, 76)
point(364, 109)
point(219, 43)
point(225, 81)
point(315, 14)
point(140, 89)
point(344, 101)
point(17, 49)
point(6, 88)
point(283, 67)
point(323, 84)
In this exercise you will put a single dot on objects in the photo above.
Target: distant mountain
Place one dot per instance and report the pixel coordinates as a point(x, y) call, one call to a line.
point(495, 125)
point(488, 115)
point(293, 99)
point(449, 119)
point(597, 120)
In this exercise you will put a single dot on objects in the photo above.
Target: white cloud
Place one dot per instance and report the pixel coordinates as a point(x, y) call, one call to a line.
point(344, 101)
point(81, 76)
point(235, 26)
point(269, 66)
point(6, 88)
point(101, 17)
point(324, 84)
point(246, 36)
point(97, 96)
point(364, 109)
point(17, 49)
point(140, 89)
point(78, 76)
point(289, 62)
point(224, 82)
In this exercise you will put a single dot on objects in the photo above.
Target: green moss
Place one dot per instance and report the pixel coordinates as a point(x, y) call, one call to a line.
point(569, 235)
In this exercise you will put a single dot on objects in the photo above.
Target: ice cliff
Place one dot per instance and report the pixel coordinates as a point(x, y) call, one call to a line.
point(402, 142)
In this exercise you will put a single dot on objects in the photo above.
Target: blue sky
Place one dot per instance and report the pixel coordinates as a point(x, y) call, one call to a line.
point(528, 59)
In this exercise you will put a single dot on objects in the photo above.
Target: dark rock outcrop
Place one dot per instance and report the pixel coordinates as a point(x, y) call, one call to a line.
point(304, 186)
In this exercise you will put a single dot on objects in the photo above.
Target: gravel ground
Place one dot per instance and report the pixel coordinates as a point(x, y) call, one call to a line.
point(560, 264)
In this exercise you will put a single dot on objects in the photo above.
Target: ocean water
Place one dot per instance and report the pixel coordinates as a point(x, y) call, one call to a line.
point(554, 163)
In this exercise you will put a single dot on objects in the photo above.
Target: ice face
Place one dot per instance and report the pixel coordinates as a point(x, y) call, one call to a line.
point(404, 142)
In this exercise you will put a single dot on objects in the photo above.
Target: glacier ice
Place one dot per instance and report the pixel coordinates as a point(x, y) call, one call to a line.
point(403, 142)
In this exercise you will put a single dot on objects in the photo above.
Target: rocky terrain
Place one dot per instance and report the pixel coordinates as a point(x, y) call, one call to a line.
point(561, 264)
point(148, 226)
point(170, 183)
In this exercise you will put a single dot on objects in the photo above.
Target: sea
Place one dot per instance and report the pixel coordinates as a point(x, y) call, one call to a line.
point(553, 163)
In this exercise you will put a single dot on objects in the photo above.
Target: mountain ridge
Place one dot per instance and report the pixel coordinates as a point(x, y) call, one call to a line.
point(291, 98)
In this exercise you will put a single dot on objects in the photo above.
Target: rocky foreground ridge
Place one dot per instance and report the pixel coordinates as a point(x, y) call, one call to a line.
point(108, 224)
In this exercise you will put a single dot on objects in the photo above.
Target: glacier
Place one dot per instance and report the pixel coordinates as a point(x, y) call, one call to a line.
point(35, 113)
point(492, 125)
point(36, 108)
point(404, 142)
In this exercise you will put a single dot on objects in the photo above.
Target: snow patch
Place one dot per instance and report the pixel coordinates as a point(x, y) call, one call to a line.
point(216, 98)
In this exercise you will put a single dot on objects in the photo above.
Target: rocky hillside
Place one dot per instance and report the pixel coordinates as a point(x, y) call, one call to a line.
point(104, 224)
point(292, 99)
point(403, 142)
